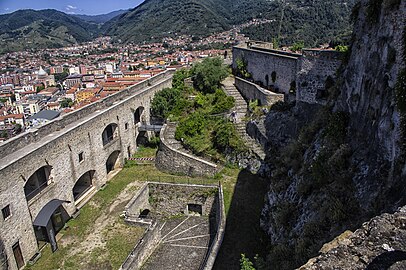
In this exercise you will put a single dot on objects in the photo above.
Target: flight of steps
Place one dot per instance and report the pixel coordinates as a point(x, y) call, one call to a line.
point(241, 108)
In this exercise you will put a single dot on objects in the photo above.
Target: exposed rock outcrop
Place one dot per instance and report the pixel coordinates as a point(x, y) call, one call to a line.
point(333, 168)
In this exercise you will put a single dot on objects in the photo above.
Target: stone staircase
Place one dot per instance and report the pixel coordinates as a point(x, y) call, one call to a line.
point(241, 108)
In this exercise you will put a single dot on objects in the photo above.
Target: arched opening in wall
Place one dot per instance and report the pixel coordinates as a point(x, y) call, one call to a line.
point(142, 138)
point(37, 182)
point(194, 209)
point(266, 80)
point(138, 115)
point(49, 221)
point(112, 162)
point(144, 213)
point(109, 133)
point(83, 185)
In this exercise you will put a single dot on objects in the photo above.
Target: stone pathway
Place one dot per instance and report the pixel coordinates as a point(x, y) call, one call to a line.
point(241, 108)
point(185, 242)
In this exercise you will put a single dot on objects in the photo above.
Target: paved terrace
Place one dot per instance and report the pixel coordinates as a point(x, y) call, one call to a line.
point(14, 156)
point(184, 245)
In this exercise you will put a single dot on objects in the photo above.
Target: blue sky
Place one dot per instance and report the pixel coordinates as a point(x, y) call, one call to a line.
point(90, 7)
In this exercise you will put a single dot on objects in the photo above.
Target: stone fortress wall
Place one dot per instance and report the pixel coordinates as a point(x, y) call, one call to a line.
point(306, 74)
point(166, 200)
point(172, 160)
point(57, 146)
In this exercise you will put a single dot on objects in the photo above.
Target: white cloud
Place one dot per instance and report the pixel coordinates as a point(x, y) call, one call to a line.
point(70, 9)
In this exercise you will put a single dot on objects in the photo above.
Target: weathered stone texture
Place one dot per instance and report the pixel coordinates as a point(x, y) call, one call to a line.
point(314, 69)
point(261, 64)
point(59, 148)
point(251, 91)
point(172, 160)
point(172, 199)
point(379, 244)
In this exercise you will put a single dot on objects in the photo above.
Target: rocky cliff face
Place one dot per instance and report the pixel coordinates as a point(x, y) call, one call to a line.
point(332, 168)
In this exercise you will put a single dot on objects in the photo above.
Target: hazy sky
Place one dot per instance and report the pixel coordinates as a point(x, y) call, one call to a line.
point(90, 7)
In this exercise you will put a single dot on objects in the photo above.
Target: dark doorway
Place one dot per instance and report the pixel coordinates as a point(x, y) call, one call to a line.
point(137, 115)
point(144, 213)
point(83, 185)
point(37, 182)
point(194, 209)
point(266, 80)
point(112, 162)
point(142, 138)
point(18, 255)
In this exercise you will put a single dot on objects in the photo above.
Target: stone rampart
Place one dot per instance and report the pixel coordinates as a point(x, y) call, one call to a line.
point(58, 148)
point(251, 91)
point(269, 68)
point(171, 160)
point(317, 72)
point(34, 135)
point(308, 74)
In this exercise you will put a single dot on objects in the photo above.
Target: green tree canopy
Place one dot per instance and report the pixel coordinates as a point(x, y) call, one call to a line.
point(208, 74)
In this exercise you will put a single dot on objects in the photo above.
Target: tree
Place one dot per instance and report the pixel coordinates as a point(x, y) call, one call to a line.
point(40, 88)
point(208, 74)
point(66, 102)
point(298, 46)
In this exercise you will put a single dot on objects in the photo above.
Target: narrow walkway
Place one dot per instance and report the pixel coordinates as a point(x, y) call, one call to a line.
point(241, 108)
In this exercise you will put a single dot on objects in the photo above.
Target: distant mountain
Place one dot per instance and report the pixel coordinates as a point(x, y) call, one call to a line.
point(313, 21)
point(102, 18)
point(25, 29)
point(158, 18)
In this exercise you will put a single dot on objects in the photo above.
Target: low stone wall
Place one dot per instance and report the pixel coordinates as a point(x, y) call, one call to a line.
point(214, 248)
point(144, 248)
point(174, 161)
point(138, 203)
point(251, 91)
point(172, 199)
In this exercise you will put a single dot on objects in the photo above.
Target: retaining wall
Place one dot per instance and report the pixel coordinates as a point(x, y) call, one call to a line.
point(251, 91)
point(144, 248)
point(171, 160)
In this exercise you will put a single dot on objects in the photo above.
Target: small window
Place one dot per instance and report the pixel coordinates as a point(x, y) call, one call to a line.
point(6, 212)
point(126, 126)
point(81, 157)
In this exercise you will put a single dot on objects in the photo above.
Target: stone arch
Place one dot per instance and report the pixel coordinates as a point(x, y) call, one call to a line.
point(113, 161)
point(38, 181)
point(138, 115)
point(83, 184)
point(109, 133)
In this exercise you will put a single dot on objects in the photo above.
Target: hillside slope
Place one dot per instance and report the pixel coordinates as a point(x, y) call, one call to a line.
point(49, 28)
point(102, 18)
point(312, 21)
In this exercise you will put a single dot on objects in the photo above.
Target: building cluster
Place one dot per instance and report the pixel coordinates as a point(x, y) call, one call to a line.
point(65, 79)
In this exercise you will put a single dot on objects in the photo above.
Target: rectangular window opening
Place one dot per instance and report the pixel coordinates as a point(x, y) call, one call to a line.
point(6, 212)
point(81, 157)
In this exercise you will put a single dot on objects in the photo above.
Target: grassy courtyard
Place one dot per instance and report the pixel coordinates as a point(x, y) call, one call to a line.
point(98, 238)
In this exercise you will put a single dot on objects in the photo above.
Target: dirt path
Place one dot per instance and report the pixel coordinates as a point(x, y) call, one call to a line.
point(108, 219)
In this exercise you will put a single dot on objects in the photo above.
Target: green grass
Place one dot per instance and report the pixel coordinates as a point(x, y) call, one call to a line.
point(120, 238)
